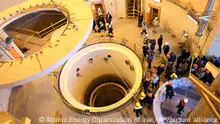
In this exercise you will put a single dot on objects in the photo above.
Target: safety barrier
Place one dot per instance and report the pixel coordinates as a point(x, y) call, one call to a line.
point(97, 39)
point(19, 12)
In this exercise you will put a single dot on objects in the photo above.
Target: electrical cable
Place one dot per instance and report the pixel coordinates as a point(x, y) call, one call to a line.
point(123, 80)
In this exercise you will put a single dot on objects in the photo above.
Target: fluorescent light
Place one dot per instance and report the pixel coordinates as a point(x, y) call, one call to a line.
point(192, 19)
point(157, 1)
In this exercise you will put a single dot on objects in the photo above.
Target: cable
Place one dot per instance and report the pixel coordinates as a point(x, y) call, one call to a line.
point(123, 80)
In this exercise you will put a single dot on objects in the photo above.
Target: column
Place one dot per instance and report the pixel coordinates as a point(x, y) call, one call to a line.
point(202, 110)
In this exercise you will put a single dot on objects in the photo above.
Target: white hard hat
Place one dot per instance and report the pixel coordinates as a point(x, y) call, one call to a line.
point(185, 100)
point(147, 35)
point(166, 43)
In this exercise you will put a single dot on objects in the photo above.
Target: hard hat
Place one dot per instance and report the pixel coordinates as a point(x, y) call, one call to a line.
point(175, 76)
point(185, 100)
point(143, 94)
point(107, 24)
point(156, 17)
point(137, 104)
point(147, 35)
point(170, 83)
point(185, 34)
point(166, 43)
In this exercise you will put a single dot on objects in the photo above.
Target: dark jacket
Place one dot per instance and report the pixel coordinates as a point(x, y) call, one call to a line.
point(160, 41)
point(150, 58)
point(208, 78)
point(181, 104)
point(109, 18)
point(140, 18)
point(150, 100)
point(160, 70)
point(172, 57)
point(145, 50)
point(166, 48)
point(169, 90)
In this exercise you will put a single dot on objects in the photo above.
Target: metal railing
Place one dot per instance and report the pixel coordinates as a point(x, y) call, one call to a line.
point(35, 55)
point(98, 39)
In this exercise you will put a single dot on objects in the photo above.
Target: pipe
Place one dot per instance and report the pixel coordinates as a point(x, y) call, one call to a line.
point(210, 105)
point(207, 11)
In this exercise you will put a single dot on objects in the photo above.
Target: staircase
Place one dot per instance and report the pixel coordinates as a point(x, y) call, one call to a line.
point(132, 8)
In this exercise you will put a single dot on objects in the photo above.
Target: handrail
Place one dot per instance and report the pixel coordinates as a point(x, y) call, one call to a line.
point(2, 62)
point(52, 25)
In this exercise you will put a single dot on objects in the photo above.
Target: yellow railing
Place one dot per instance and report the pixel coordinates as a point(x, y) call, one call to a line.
point(39, 33)
point(35, 55)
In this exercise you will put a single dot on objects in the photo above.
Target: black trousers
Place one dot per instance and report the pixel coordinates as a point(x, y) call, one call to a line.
point(94, 29)
point(149, 65)
point(180, 109)
point(170, 96)
point(160, 49)
point(155, 85)
point(144, 31)
point(139, 23)
point(138, 113)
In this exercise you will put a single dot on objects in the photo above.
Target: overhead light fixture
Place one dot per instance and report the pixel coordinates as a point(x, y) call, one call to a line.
point(192, 18)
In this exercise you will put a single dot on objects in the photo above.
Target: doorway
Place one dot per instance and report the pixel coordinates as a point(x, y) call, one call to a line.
point(152, 12)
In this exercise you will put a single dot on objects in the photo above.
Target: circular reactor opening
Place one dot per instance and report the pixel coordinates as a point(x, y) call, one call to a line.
point(107, 94)
point(93, 81)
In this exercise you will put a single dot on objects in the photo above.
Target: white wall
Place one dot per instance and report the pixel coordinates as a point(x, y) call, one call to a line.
point(4, 95)
point(78, 85)
point(214, 49)
point(72, 87)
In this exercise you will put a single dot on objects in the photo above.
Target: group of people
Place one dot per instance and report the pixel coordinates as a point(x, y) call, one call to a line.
point(172, 64)
point(103, 23)
point(200, 71)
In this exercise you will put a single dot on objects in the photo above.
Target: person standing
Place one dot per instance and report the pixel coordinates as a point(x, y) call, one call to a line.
point(102, 27)
point(98, 22)
point(109, 18)
point(155, 80)
point(94, 26)
point(143, 99)
point(181, 105)
point(144, 28)
point(169, 90)
point(110, 30)
point(138, 109)
point(153, 44)
point(149, 100)
point(150, 58)
point(145, 50)
point(160, 42)
point(160, 69)
point(146, 84)
point(140, 20)
point(166, 48)
point(172, 57)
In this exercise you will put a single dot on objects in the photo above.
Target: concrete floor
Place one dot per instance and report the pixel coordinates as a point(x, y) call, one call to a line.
point(38, 98)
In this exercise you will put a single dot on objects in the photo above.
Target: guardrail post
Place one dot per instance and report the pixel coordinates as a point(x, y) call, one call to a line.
point(134, 46)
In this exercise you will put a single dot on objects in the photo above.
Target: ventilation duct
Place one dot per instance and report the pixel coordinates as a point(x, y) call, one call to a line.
point(207, 11)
